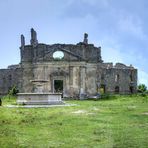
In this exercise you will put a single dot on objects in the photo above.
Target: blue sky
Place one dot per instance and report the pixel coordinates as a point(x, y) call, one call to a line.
point(120, 27)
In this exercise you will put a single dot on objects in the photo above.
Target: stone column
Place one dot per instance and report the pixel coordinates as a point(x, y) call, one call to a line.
point(82, 81)
point(85, 41)
point(22, 41)
point(33, 41)
point(71, 75)
point(22, 47)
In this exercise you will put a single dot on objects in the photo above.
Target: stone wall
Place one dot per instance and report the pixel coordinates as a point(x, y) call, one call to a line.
point(79, 52)
point(78, 77)
point(10, 77)
point(118, 76)
point(81, 70)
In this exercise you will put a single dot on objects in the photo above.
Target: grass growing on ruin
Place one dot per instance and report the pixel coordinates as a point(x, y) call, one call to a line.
point(118, 122)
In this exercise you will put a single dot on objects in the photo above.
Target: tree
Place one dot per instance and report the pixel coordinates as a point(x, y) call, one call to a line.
point(13, 91)
point(142, 88)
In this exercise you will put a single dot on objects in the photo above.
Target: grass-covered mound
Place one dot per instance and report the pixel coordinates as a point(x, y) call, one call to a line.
point(118, 122)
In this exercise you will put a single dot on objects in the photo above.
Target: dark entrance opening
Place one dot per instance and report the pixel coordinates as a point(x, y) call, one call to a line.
point(58, 86)
point(102, 89)
point(117, 89)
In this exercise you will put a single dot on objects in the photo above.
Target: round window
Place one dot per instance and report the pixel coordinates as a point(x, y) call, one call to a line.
point(58, 55)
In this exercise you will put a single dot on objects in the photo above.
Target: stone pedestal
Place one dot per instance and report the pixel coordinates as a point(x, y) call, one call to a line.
point(39, 98)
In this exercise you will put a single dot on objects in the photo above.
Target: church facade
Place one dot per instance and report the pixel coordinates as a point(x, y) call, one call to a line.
point(73, 70)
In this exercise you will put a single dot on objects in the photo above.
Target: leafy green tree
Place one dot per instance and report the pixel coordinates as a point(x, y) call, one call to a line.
point(142, 88)
point(13, 91)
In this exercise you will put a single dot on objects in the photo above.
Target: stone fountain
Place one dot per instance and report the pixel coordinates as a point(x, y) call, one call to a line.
point(39, 85)
point(40, 95)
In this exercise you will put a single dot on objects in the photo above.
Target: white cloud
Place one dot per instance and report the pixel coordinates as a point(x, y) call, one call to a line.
point(142, 77)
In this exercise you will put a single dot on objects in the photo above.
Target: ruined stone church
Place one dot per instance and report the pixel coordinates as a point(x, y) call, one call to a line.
point(73, 70)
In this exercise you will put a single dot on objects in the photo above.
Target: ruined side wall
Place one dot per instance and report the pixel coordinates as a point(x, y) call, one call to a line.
point(10, 78)
point(123, 78)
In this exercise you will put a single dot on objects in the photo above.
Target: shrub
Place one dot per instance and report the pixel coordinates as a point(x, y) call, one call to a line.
point(13, 91)
point(142, 88)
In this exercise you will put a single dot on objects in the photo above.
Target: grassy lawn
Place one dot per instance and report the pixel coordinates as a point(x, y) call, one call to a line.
point(120, 122)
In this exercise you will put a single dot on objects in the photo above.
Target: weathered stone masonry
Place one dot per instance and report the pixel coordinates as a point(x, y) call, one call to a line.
point(80, 72)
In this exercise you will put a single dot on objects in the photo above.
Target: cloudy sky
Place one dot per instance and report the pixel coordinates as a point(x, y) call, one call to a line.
point(120, 27)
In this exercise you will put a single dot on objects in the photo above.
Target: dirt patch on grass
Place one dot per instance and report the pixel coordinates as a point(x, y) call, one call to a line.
point(96, 109)
point(82, 112)
point(146, 113)
point(131, 107)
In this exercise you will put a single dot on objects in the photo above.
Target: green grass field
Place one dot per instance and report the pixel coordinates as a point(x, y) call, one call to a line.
point(119, 122)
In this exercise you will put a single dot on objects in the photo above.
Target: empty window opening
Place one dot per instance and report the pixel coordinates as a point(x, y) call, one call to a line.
point(58, 55)
point(117, 78)
point(131, 77)
point(102, 89)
